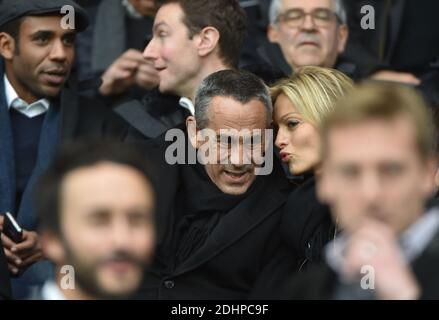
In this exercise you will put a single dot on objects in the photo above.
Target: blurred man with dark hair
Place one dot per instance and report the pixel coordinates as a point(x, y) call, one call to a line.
point(96, 205)
point(191, 39)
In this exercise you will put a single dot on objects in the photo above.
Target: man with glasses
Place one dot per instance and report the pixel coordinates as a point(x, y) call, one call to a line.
point(308, 32)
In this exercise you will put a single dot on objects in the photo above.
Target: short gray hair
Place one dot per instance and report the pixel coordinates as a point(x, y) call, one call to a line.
point(239, 85)
point(276, 6)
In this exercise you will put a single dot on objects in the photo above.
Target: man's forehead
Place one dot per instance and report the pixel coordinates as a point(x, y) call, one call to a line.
point(307, 4)
point(228, 111)
point(393, 137)
point(168, 14)
point(45, 23)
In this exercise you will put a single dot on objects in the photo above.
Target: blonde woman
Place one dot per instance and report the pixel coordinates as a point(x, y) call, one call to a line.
point(300, 104)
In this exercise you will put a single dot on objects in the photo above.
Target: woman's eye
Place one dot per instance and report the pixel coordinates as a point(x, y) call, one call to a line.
point(292, 124)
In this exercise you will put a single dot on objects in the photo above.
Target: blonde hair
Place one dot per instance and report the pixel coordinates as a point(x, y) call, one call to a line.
point(384, 101)
point(313, 91)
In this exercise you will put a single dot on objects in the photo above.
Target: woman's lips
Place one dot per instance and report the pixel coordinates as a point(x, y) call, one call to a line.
point(285, 157)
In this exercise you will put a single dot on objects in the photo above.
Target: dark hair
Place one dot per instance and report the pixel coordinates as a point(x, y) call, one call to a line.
point(226, 16)
point(240, 85)
point(77, 155)
point(13, 29)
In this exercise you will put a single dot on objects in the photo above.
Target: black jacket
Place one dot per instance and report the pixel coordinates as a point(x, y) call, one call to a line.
point(306, 228)
point(233, 255)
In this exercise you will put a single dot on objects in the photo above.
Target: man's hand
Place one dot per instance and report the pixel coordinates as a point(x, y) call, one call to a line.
point(129, 69)
point(22, 255)
point(402, 77)
point(375, 245)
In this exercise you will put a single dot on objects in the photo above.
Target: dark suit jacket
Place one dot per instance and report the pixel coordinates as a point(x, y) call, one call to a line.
point(320, 281)
point(229, 262)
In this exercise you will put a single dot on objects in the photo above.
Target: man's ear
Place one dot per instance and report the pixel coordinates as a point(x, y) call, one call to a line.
point(343, 35)
point(208, 41)
point(273, 34)
point(52, 247)
point(7, 46)
point(191, 125)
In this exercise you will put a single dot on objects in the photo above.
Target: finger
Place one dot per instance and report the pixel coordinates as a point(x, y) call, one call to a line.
point(24, 254)
point(12, 258)
point(12, 269)
point(32, 259)
point(30, 242)
point(133, 55)
point(7, 243)
point(127, 65)
point(147, 67)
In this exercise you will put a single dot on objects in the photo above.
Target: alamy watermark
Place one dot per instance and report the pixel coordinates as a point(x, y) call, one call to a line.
point(223, 147)
point(68, 19)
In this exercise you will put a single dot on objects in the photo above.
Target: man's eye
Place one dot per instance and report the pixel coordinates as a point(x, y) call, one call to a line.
point(294, 15)
point(41, 40)
point(348, 172)
point(69, 41)
point(392, 170)
point(322, 14)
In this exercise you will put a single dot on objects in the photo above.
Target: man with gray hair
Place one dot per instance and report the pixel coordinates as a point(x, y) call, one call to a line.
point(308, 32)
point(218, 216)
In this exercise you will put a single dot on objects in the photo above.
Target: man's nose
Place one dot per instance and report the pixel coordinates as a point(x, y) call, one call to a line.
point(371, 187)
point(308, 23)
point(59, 51)
point(240, 155)
point(120, 234)
point(150, 52)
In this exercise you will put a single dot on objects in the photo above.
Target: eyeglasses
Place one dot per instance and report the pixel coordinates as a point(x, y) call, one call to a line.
point(295, 18)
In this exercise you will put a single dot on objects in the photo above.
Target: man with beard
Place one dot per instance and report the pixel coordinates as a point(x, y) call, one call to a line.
point(39, 109)
point(96, 207)
point(219, 212)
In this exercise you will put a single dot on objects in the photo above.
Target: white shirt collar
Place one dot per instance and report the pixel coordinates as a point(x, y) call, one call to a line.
point(187, 104)
point(11, 96)
point(412, 242)
point(50, 291)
